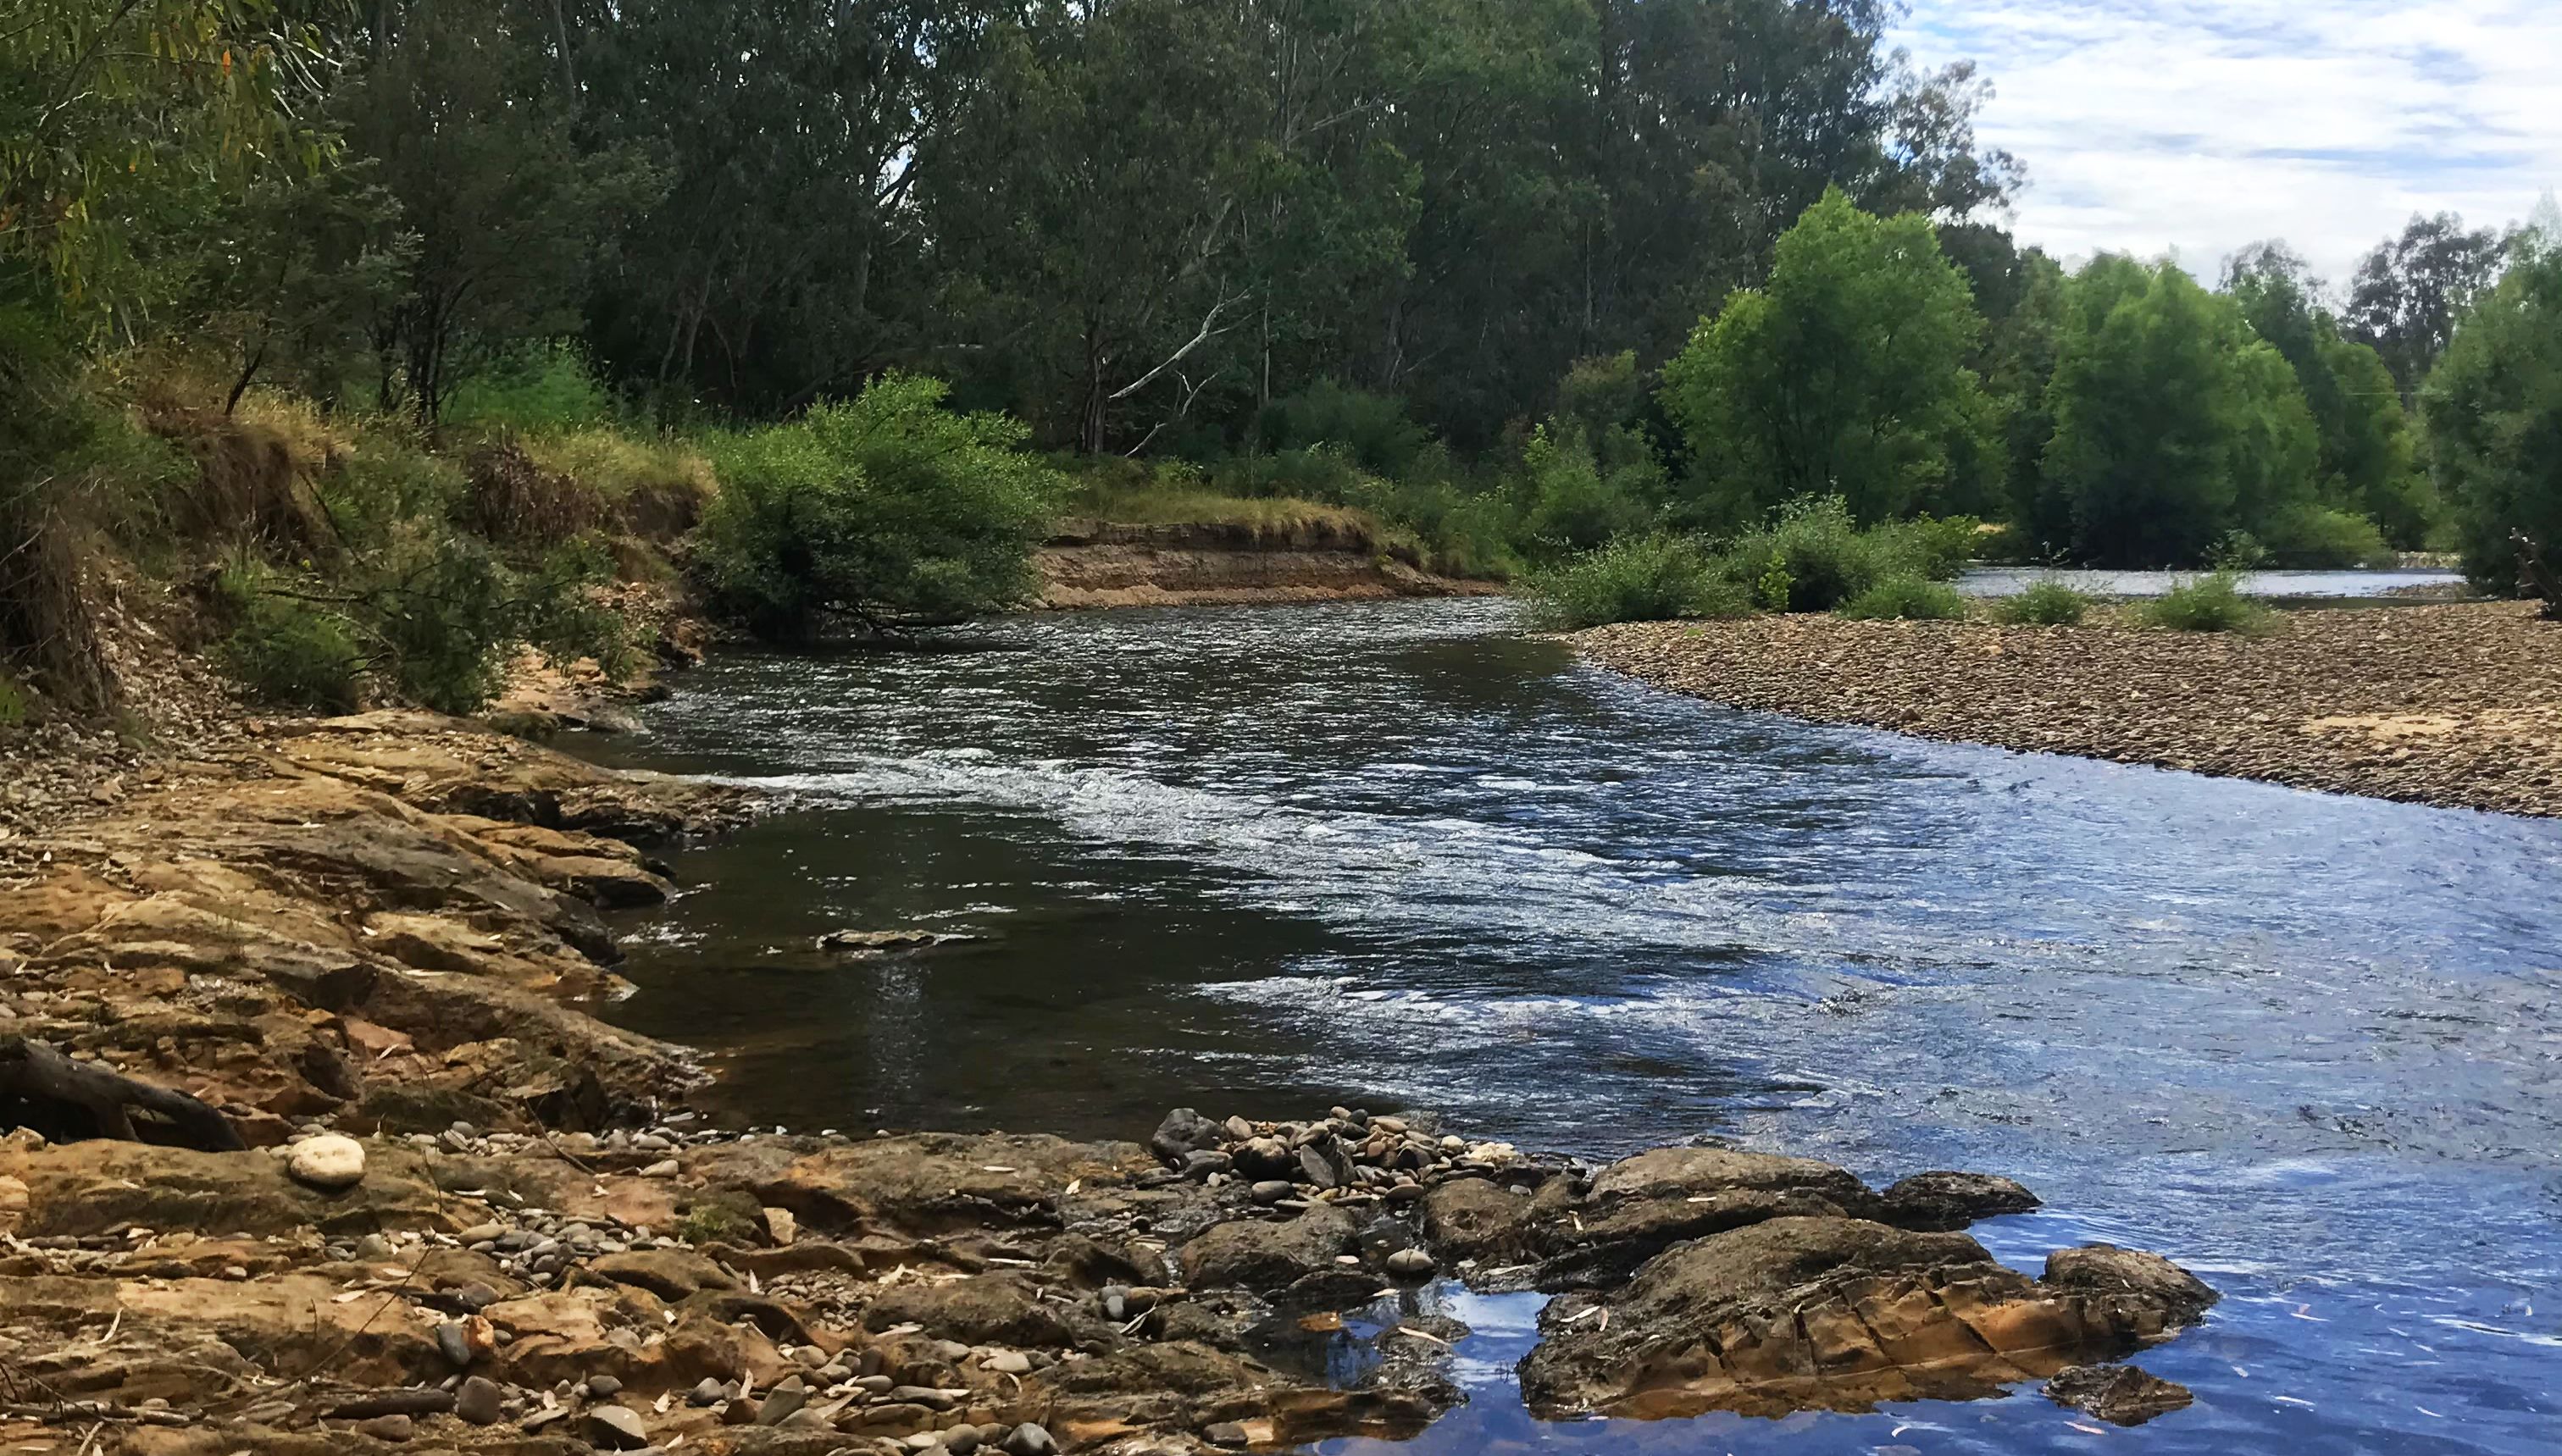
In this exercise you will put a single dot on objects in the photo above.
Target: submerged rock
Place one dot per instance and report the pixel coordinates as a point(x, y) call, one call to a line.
point(2116, 1393)
point(1839, 1313)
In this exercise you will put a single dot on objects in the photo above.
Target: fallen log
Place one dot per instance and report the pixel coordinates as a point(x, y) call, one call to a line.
point(69, 1100)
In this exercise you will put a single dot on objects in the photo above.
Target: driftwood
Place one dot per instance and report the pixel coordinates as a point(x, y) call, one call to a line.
point(69, 1100)
point(2534, 578)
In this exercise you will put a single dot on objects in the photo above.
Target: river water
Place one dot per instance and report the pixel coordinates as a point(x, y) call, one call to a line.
point(1266, 860)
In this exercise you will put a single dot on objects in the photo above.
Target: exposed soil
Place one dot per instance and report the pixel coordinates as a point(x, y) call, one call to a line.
point(1098, 564)
point(2458, 705)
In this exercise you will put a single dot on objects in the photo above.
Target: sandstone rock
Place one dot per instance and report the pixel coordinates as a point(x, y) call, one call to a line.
point(1949, 1201)
point(1249, 1253)
point(329, 1162)
point(1832, 1313)
point(2119, 1394)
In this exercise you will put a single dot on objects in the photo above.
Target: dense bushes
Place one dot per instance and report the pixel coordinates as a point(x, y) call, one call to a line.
point(2044, 603)
point(2212, 603)
point(1812, 557)
point(884, 511)
point(1652, 578)
point(1906, 598)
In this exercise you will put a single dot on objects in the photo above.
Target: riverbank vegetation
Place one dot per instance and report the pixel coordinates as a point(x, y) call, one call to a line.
point(398, 337)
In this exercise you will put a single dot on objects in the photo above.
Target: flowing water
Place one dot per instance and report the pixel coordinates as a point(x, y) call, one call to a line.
point(2009, 580)
point(1262, 861)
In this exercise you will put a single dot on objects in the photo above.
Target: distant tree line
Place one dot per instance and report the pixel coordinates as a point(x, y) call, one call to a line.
point(1524, 277)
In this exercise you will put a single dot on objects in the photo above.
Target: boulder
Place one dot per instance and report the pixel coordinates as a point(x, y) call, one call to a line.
point(2116, 1393)
point(1250, 1253)
point(1184, 1131)
point(1949, 1201)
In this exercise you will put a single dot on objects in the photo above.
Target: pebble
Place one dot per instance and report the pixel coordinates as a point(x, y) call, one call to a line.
point(602, 1387)
point(329, 1162)
point(454, 1340)
point(1228, 1434)
point(479, 1401)
point(1007, 1362)
point(782, 1401)
point(1411, 1264)
point(708, 1391)
point(387, 1428)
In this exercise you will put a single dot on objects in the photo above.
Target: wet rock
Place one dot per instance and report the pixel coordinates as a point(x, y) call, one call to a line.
point(1249, 1253)
point(1949, 1201)
point(1411, 1264)
point(2116, 1393)
point(328, 1163)
point(1228, 1435)
point(1184, 1131)
point(1832, 1312)
point(2142, 1281)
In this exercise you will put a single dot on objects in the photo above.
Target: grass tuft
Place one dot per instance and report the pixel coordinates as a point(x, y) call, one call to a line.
point(2209, 603)
point(2045, 603)
point(1907, 599)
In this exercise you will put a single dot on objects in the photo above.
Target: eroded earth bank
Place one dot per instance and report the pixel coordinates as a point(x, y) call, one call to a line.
point(373, 1178)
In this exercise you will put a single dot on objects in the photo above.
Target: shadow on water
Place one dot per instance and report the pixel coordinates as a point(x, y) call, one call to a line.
point(1266, 860)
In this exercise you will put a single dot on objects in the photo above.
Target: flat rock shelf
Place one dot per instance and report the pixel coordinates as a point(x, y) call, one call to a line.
point(2458, 705)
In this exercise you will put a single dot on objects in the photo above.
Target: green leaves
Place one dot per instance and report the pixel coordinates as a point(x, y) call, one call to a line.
point(885, 512)
point(1845, 375)
point(2494, 412)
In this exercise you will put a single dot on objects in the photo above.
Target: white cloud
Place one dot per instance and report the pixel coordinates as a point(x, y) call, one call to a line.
point(2184, 127)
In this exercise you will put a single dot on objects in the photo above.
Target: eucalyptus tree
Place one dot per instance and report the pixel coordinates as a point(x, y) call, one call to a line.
point(2495, 411)
point(2410, 291)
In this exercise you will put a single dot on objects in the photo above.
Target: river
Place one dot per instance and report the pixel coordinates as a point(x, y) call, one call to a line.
point(1266, 860)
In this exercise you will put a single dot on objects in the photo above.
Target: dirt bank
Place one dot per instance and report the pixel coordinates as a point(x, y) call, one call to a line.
point(2458, 705)
point(319, 1149)
point(1100, 564)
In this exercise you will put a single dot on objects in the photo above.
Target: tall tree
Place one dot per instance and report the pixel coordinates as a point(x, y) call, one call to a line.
point(1845, 375)
point(2494, 410)
point(2173, 424)
point(2410, 291)
point(2366, 464)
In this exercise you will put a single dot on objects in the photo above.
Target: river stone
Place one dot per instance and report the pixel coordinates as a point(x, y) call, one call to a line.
point(1949, 1201)
point(782, 1401)
point(1410, 1264)
point(479, 1401)
point(615, 1428)
point(454, 1340)
point(2116, 1393)
point(1031, 1440)
point(387, 1428)
point(329, 1162)
point(1184, 1131)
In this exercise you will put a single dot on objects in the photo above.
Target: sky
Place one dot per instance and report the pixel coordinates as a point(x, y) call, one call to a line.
point(2193, 127)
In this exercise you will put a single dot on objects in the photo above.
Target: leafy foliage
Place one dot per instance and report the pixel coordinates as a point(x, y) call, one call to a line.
point(2211, 603)
point(1909, 598)
point(2043, 603)
point(2494, 412)
point(1652, 578)
point(1844, 377)
point(886, 510)
point(1813, 556)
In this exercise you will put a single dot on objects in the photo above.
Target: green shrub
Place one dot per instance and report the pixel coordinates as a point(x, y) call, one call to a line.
point(1653, 578)
point(885, 511)
point(286, 649)
point(2208, 604)
point(1369, 430)
point(544, 388)
point(1826, 560)
point(2045, 603)
point(14, 702)
point(2316, 538)
point(1572, 505)
point(1907, 597)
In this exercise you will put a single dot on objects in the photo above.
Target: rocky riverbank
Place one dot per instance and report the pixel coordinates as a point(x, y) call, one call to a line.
point(319, 1149)
point(2458, 705)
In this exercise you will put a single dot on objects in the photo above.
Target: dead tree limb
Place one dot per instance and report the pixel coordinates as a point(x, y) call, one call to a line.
point(67, 1100)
